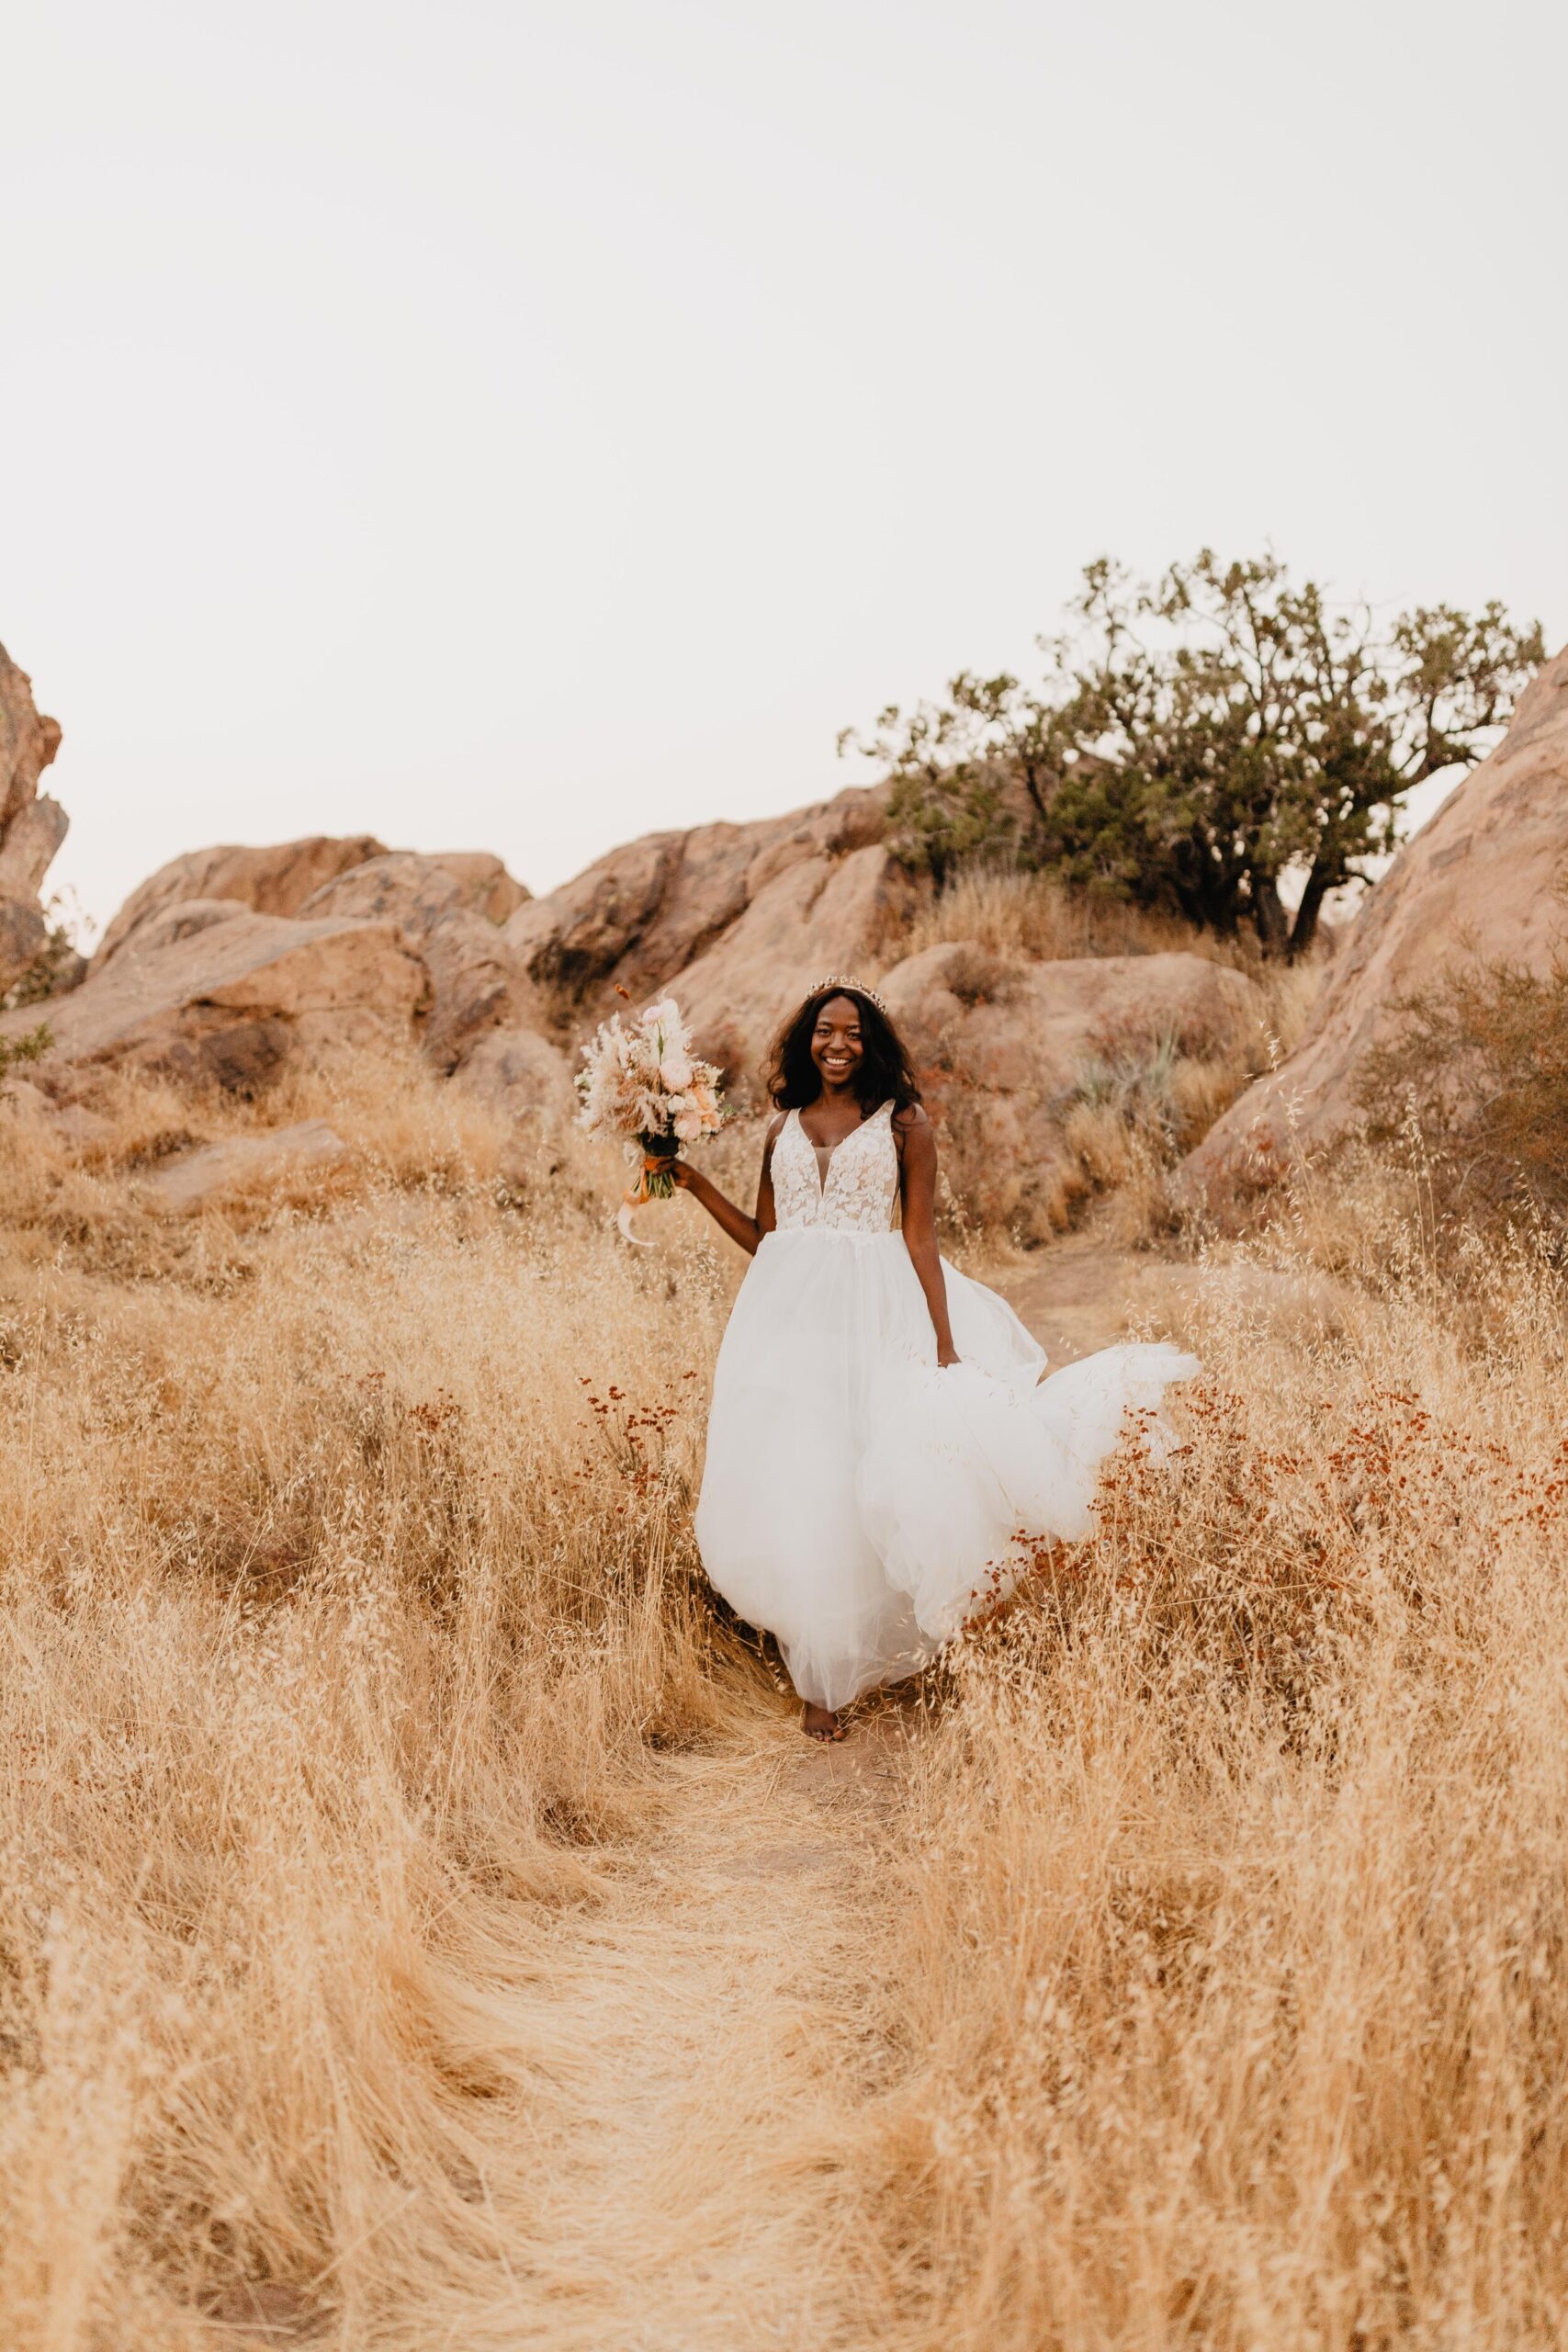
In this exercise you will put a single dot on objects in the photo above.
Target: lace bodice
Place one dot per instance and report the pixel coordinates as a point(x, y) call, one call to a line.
point(858, 1191)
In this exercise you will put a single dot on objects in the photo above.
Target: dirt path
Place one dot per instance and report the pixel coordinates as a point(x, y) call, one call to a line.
point(1080, 1294)
point(692, 2059)
point(1085, 1293)
point(701, 2044)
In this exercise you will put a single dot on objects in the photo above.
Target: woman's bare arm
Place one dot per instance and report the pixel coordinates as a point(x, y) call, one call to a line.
point(745, 1230)
point(916, 1166)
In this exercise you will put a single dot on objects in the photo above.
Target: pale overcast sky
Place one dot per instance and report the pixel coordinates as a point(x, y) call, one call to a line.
point(519, 425)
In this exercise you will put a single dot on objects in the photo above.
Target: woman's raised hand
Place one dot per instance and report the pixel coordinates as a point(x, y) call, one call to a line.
point(680, 1171)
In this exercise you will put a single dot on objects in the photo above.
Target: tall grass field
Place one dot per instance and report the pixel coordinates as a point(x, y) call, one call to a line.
point(423, 1926)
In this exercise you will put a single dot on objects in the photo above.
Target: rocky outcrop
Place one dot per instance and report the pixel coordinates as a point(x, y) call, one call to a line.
point(742, 917)
point(417, 888)
point(232, 1001)
point(31, 826)
point(1483, 879)
point(73, 1124)
point(818, 915)
point(521, 1075)
point(1002, 1045)
point(448, 909)
point(276, 880)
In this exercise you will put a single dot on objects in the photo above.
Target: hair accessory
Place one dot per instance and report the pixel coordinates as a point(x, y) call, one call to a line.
point(858, 987)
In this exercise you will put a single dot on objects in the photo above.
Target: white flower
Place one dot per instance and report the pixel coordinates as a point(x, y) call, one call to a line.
point(640, 1077)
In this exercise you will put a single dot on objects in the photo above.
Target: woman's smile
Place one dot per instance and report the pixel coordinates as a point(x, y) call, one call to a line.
point(837, 1048)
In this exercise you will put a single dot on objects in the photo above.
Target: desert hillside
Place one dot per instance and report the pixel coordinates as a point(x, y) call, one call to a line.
point(422, 1923)
point(1066, 1044)
point(1063, 1046)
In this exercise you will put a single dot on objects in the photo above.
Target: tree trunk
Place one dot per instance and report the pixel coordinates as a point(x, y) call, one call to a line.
point(1303, 931)
point(1268, 916)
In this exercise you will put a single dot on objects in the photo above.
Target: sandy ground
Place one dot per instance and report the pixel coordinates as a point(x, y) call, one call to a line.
point(1077, 1295)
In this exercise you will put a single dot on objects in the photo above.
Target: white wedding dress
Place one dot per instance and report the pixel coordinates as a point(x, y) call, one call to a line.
point(857, 1502)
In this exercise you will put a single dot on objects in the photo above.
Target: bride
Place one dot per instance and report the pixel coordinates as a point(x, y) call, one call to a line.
point(880, 1442)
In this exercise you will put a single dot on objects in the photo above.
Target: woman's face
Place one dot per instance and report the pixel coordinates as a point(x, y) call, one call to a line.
point(836, 1046)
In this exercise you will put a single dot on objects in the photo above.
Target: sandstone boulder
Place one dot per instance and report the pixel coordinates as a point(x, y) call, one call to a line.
point(655, 907)
point(814, 915)
point(182, 919)
point(276, 880)
point(69, 1122)
point(231, 1002)
point(31, 839)
point(1482, 878)
point(24, 938)
point(417, 888)
point(22, 1101)
point(1002, 1047)
point(31, 828)
point(448, 909)
point(81, 1129)
point(521, 1075)
point(241, 1163)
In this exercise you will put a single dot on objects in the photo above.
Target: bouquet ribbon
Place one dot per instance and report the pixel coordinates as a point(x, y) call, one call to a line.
point(640, 1192)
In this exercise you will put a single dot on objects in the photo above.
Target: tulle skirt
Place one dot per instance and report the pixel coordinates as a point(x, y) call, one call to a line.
point(859, 1503)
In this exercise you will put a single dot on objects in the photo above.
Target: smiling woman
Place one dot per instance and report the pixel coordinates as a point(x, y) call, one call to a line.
point(881, 1455)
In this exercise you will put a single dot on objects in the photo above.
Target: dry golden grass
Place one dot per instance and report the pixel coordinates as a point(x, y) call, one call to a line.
point(1136, 1109)
point(423, 1926)
point(1478, 1066)
point(1013, 911)
point(1137, 1113)
point(338, 1625)
point(1231, 1949)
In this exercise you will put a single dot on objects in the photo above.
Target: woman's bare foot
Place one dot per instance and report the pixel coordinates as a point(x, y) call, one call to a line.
point(821, 1723)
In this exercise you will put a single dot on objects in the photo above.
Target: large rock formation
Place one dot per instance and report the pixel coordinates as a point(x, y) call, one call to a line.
point(1484, 880)
point(1000, 1045)
point(449, 909)
point(521, 1075)
point(273, 880)
point(32, 826)
point(742, 918)
point(821, 915)
point(224, 996)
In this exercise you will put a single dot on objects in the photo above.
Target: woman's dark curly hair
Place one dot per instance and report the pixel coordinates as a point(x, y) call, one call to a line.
point(884, 1073)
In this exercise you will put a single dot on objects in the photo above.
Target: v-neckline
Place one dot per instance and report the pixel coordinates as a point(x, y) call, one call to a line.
point(832, 1150)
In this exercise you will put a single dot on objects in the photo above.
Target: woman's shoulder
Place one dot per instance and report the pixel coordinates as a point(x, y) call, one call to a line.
point(776, 1126)
point(913, 1114)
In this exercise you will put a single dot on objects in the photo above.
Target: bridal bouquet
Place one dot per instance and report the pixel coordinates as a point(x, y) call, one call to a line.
point(641, 1083)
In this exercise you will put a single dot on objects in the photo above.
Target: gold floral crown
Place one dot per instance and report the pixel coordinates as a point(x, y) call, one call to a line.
point(856, 988)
